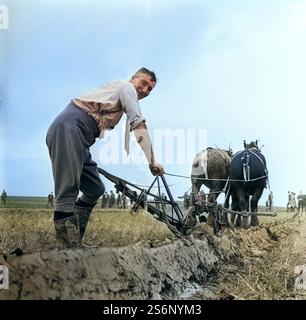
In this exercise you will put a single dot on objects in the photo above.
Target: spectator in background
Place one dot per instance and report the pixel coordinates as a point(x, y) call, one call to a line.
point(104, 200)
point(119, 203)
point(112, 199)
point(124, 203)
point(270, 200)
point(300, 198)
point(50, 199)
point(3, 197)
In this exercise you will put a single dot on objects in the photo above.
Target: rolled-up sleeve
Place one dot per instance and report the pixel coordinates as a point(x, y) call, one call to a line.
point(129, 102)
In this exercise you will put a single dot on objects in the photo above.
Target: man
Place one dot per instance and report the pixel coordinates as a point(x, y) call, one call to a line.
point(112, 200)
point(104, 200)
point(118, 200)
point(3, 197)
point(185, 200)
point(124, 205)
point(107, 201)
point(289, 200)
point(270, 199)
point(300, 198)
point(50, 199)
point(164, 197)
point(73, 132)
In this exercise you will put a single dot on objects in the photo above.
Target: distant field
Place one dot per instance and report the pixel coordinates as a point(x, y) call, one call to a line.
point(25, 202)
point(42, 203)
point(30, 202)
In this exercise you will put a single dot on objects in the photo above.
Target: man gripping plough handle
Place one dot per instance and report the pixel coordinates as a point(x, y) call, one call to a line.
point(70, 136)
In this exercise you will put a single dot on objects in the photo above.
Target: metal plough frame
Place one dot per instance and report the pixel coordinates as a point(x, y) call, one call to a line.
point(175, 222)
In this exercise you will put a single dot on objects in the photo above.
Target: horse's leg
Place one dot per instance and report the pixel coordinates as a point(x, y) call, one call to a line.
point(254, 205)
point(243, 204)
point(226, 205)
point(211, 199)
point(246, 221)
point(214, 191)
point(234, 207)
point(191, 219)
point(196, 186)
point(227, 196)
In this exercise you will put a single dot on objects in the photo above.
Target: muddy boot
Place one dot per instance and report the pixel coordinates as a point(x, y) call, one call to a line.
point(61, 234)
point(73, 231)
point(67, 230)
point(83, 211)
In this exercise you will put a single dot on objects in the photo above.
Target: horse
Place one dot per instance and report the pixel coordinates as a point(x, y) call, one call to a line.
point(247, 179)
point(210, 168)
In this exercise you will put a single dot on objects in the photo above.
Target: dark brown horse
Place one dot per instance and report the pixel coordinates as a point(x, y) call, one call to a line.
point(248, 177)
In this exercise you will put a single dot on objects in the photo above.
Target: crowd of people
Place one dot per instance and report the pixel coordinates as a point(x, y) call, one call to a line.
point(110, 200)
point(294, 202)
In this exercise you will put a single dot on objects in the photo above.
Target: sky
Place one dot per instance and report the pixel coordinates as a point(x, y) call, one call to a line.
point(227, 71)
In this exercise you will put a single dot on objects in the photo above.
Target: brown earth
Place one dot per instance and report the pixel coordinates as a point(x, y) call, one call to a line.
point(218, 266)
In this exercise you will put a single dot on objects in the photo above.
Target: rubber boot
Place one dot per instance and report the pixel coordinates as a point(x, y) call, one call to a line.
point(83, 211)
point(67, 230)
point(61, 234)
point(73, 231)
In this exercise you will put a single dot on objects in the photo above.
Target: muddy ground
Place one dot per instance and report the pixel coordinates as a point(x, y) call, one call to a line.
point(258, 263)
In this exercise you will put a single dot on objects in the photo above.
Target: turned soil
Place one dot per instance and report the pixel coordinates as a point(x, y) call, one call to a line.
point(258, 263)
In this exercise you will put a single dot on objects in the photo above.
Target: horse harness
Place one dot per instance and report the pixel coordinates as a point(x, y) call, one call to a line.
point(246, 169)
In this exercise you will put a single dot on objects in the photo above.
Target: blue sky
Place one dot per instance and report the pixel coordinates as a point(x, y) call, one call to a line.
point(234, 68)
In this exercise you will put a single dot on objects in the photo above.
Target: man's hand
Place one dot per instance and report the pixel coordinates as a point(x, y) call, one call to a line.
point(156, 169)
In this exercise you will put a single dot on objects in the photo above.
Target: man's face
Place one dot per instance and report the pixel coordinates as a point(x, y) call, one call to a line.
point(143, 84)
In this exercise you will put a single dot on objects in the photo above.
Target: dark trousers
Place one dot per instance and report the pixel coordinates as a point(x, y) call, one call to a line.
point(69, 138)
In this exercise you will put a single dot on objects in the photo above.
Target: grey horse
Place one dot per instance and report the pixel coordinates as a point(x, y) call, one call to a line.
point(210, 168)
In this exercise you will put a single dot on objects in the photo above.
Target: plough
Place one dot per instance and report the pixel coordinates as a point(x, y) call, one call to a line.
point(175, 220)
point(180, 224)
